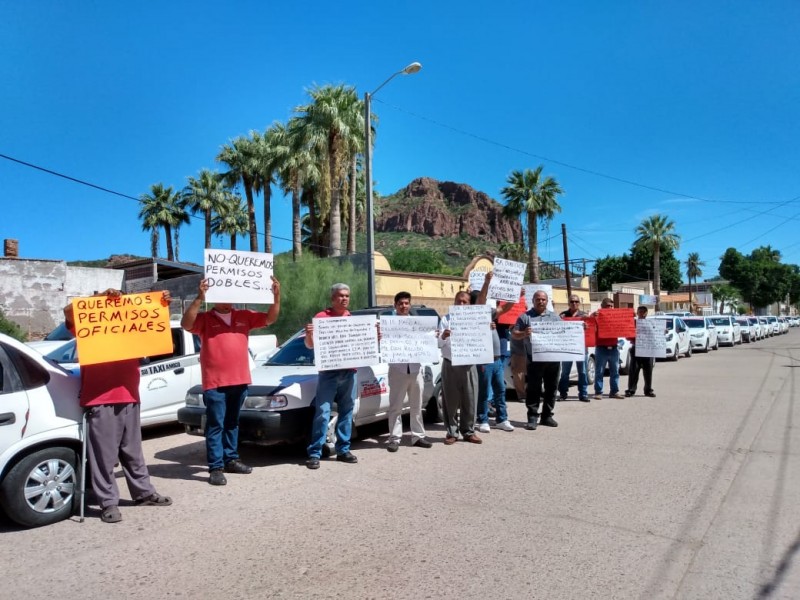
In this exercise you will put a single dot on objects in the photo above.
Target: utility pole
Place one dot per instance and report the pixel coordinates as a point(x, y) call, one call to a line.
point(566, 260)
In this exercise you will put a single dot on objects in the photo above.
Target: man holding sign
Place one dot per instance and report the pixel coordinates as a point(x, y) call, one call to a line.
point(640, 363)
point(574, 311)
point(225, 369)
point(606, 352)
point(110, 393)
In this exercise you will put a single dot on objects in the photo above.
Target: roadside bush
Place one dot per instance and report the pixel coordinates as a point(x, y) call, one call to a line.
point(12, 329)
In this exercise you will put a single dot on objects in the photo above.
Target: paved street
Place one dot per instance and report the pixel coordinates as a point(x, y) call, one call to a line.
point(693, 494)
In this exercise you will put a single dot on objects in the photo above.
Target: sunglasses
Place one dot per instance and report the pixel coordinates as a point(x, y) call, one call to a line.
point(574, 301)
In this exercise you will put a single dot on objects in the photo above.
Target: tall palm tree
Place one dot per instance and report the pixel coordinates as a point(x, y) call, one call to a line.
point(149, 223)
point(532, 198)
point(268, 149)
point(332, 120)
point(693, 271)
point(657, 233)
point(231, 218)
point(165, 208)
point(241, 157)
point(205, 194)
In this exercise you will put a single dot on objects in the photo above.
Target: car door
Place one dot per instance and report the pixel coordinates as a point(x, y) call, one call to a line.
point(14, 403)
point(682, 331)
point(166, 378)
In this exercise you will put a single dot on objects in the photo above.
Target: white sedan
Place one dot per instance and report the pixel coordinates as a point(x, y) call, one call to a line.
point(677, 334)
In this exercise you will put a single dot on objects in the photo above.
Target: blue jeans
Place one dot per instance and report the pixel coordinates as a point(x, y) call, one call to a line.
point(491, 380)
point(337, 386)
point(222, 423)
point(583, 380)
point(602, 356)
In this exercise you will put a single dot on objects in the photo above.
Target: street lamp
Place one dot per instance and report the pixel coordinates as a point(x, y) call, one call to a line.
point(410, 69)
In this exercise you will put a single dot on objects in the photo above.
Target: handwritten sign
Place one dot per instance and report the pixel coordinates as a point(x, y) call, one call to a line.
point(110, 329)
point(471, 335)
point(651, 339)
point(506, 280)
point(476, 279)
point(510, 318)
point(345, 342)
point(615, 322)
point(589, 331)
point(532, 288)
point(557, 341)
point(238, 276)
point(409, 339)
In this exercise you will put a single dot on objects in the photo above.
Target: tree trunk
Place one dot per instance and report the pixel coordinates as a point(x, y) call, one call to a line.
point(336, 202)
point(297, 246)
point(168, 235)
point(657, 275)
point(267, 218)
point(208, 228)
point(233, 242)
point(351, 230)
point(313, 222)
point(533, 247)
point(251, 216)
point(154, 242)
point(177, 243)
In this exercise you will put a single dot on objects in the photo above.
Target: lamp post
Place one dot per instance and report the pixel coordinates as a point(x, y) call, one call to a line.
point(412, 68)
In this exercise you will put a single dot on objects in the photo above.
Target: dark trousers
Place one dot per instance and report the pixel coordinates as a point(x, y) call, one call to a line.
point(542, 383)
point(645, 364)
point(115, 433)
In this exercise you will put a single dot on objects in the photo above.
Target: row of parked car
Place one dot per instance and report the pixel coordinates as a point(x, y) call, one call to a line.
point(40, 437)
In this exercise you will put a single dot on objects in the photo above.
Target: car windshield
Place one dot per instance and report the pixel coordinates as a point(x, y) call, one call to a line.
point(753, 320)
point(293, 353)
point(695, 323)
point(721, 321)
point(668, 324)
point(59, 334)
point(744, 322)
point(67, 353)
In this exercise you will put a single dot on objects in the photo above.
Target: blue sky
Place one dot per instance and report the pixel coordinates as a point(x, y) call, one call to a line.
point(636, 107)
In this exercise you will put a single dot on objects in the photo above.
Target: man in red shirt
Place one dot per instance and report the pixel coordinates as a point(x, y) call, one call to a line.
point(110, 393)
point(225, 368)
point(606, 352)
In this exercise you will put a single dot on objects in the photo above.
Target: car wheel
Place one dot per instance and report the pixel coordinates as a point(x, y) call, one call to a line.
point(42, 488)
point(329, 447)
point(626, 368)
point(433, 410)
point(706, 348)
point(675, 355)
point(590, 370)
point(716, 344)
point(689, 351)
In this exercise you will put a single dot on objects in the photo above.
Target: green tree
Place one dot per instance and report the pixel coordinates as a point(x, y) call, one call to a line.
point(657, 233)
point(205, 194)
point(531, 198)
point(269, 149)
point(11, 329)
point(640, 267)
point(760, 276)
point(417, 260)
point(165, 208)
point(241, 157)
point(231, 218)
point(725, 294)
point(693, 271)
point(610, 270)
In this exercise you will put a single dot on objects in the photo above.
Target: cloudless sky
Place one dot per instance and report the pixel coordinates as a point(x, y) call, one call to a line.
point(637, 107)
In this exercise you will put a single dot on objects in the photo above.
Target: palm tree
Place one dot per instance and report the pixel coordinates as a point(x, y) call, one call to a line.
point(231, 218)
point(165, 208)
point(657, 233)
point(205, 194)
point(725, 294)
point(268, 149)
point(242, 159)
point(149, 223)
point(332, 121)
point(531, 198)
point(693, 271)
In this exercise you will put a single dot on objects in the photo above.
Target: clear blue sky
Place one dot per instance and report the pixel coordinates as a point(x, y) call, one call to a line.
point(698, 104)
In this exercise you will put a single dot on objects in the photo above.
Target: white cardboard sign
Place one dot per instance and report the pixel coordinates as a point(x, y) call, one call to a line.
point(553, 341)
point(345, 342)
point(238, 277)
point(651, 339)
point(409, 339)
point(471, 334)
point(506, 280)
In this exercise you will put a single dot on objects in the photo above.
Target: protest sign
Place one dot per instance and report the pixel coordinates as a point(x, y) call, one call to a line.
point(651, 339)
point(237, 276)
point(615, 322)
point(471, 335)
point(557, 341)
point(117, 328)
point(510, 318)
point(476, 279)
point(532, 288)
point(345, 342)
point(589, 330)
point(506, 280)
point(409, 339)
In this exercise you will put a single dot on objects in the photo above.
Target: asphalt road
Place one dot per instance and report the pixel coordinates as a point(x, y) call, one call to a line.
point(693, 494)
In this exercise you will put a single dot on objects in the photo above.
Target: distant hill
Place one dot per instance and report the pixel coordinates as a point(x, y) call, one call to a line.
point(111, 261)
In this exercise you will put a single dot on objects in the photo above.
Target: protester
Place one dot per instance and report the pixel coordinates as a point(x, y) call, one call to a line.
point(459, 386)
point(225, 368)
point(335, 385)
point(405, 379)
point(519, 361)
point(573, 311)
point(645, 364)
point(540, 374)
point(491, 376)
point(110, 395)
point(606, 352)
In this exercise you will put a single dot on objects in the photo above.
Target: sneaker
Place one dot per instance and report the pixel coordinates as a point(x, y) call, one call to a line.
point(347, 457)
point(505, 426)
point(629, 393)
point(422, 443)
point(616, 395)
point(598, 396)
point(484, 428)
point(393, 446)
point(312, 462)
point(549, 422)
point(584, 398)
point(237, 466)
point(217, 477)
point(531, 425)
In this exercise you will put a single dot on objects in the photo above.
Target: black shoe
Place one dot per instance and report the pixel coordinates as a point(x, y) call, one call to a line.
point(422, 443)
point(237, 466)
point(549, 422)
point(347, 457)
point(531, 425)
point(584, 398)
point(562, 397)
point(393, 446)
point(312, 462)
point(216, 477)
point(629, 393)
point(650, 394)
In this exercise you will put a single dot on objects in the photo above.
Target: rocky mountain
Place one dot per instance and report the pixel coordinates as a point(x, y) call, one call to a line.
point(442, 209)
